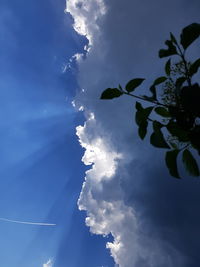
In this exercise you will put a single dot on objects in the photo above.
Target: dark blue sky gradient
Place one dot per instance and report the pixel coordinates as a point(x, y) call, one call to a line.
point(41, 174)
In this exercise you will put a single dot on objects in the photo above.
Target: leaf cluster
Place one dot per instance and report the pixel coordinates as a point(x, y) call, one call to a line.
point(177, 109)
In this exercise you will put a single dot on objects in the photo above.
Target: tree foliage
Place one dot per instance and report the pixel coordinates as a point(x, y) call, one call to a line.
point(175, 112)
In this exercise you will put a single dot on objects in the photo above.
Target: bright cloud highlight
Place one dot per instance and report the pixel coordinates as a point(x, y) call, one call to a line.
point(48, 263)
point(126, 190)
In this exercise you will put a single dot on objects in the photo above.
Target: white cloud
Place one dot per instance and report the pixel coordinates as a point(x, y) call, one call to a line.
point(85, 14)
point(102, 198)
point(118, 191)
point(48, 263)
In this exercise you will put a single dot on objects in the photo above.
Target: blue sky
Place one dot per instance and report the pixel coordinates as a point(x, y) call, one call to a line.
point(41, 170)
point(55, 159)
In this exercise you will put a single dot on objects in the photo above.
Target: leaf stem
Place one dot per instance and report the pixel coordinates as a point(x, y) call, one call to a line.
point(144, 99)
point(182, 55)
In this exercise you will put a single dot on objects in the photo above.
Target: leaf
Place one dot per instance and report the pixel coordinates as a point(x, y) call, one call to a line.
point(149, 98)
point(173, 39)
point(168, 52)
point(131, 85)
point(138, 106)
point(120, 88)
point(158, 140)
point(194, 67)
point(160, 80)
point(190, 34)
point(153, 90)
point(190, 163)
point(171, 162)
point(142, 130)
point(141, 117)
point(179, 82)
point(157, 126)
point(142, 113)
point(111, 93)
point(162, 112)
point(168, 67)
point(176, 131)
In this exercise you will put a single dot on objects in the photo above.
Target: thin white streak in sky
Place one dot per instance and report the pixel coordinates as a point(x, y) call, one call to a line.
point(30, 223)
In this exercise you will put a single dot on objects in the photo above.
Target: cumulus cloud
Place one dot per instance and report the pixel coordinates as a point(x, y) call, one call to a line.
point(86, 14)
point(125, 192)
point(103, 199)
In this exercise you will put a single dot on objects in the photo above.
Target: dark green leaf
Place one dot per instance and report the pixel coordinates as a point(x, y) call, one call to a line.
point(142, 114)
point(173, 145)
point(150, 98)
point(142, 130)
point(173, 39)
point(180, 81)
point(190, 34)
point(138, 106)
point(168, 67)
point(139, 117)
point(168, 52)
point(171, 162)
point(158, 140)
point(160, 80)
point(148, 111)
point(157, 126)
point(162, 112)
point(131, 85)
point(153, 90)
point(194, 67)
point(111, 93)
point(176, 131)
point(190, 163)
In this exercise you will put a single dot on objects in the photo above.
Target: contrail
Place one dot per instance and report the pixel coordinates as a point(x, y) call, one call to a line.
point(31, 223)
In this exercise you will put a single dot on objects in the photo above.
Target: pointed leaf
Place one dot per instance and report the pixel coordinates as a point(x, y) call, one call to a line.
point(142, 130)
point(171, 162)
point(168, 52)
point(131, 85)
point(162, 112)
point(180, 81)
point(142, 114)
point(173, 39)
point(150, 98)
point(153, 90)
point(194, 67)
point(157, 126)
point(158, 140)
point(160, 80)
point(111, 93)
point(190, 34)
point(190, 163)
point(178, 132)
point(168, 67)
point(138, 106)
point(120, 88)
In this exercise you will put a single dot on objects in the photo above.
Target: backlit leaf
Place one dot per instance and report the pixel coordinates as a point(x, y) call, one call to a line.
point(160, 80)
point(168, 52)
point(142, 130)
point(131, 85)
point(194, 67)
point(190, 34)
point(158, 140)
point(162, 112)
point(190, 163)
point(111, 93)
point(171, 162)
point(168, 67)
